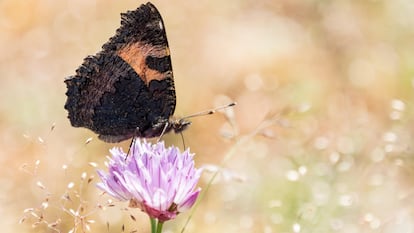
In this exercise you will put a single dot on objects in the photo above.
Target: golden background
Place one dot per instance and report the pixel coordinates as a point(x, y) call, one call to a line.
point(320, 141)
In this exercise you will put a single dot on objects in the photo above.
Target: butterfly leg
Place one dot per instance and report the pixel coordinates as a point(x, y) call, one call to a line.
point(163, 131)
point(132, 141)
point(130, 145)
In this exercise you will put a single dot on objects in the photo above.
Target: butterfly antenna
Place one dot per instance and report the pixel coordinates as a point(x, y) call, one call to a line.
point(210, 111)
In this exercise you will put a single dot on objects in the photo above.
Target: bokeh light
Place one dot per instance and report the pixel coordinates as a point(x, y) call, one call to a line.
point(320, 141)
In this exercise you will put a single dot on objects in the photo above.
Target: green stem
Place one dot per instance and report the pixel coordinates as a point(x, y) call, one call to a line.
point(153, 225)
point(159, 227)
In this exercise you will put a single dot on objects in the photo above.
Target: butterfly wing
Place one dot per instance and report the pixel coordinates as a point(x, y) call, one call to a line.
point(127, 89)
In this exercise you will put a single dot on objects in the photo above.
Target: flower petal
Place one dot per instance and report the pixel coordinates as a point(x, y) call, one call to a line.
point(160, 181)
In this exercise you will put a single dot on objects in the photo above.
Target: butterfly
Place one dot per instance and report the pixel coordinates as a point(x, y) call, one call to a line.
point(127, 89)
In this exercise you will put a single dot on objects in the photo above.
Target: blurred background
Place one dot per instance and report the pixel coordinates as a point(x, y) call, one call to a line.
point(320, 141)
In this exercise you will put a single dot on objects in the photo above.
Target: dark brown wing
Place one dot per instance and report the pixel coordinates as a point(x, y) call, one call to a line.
point(127, 89)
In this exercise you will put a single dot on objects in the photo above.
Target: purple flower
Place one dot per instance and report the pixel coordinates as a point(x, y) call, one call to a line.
point(160, 181)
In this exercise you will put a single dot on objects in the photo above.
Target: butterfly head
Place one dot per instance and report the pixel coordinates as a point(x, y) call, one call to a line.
point(179, 125)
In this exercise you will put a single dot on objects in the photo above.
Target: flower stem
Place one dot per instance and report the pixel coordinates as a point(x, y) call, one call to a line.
point(153, 225)
point(159, 227)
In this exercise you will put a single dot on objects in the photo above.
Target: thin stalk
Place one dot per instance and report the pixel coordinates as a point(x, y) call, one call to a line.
point(153, 225)
point(232, 151)
point(159, 227)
